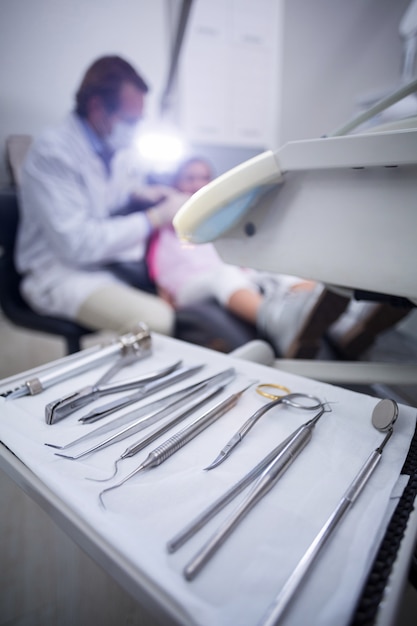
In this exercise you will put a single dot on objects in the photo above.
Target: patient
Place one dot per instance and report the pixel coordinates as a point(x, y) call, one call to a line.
point(186, 274)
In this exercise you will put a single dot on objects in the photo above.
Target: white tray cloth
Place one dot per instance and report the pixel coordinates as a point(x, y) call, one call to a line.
point(239, 583)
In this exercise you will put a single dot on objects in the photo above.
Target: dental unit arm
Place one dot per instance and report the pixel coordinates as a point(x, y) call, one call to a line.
point(341, 210)
point(408, 31)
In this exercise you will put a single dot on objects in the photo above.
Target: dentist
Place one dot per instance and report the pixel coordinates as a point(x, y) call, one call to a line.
point(75, 230)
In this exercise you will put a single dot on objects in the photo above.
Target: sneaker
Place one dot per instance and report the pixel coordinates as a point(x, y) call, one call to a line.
point(359, 327)
point(296, 322)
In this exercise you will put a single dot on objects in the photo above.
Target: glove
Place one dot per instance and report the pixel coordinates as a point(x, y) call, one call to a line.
point(151, 194)
point(164, 212)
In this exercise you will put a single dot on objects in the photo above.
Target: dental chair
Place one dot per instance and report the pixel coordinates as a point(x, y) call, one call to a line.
point(205, 324)
point(12, 304)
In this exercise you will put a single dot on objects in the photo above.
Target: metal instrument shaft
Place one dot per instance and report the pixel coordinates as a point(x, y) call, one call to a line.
point(383, 418)
point(297, 400)
point(197, 399)
point(267, 480)
point(133, 421)
point(142, 392)
point(182, 437)
point(62, 407)
point(191, 529)
point(125, 432)
point(283, 599)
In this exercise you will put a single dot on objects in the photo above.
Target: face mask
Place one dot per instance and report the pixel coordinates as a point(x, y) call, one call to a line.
point(121, 136)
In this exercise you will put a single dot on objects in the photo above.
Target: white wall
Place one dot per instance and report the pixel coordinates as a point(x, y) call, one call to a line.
point(46, 45)
point(334, 52)
point(237, 45)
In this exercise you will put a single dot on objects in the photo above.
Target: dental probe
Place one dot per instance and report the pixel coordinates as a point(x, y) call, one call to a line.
point(184, 411)
point(182, 437)
point(132, 429)
point(384, 415)
point(267, 480)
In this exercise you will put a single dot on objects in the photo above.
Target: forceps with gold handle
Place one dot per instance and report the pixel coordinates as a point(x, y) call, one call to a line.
point(296, 400)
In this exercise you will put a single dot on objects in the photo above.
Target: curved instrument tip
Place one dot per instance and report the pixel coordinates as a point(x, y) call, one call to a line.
point(217, 461)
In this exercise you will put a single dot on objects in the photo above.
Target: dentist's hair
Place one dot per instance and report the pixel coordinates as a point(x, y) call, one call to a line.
point(104, 79)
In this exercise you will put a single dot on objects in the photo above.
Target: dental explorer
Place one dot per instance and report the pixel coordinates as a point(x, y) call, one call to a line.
point(384, 416)
point(181, 438)
point(184, 411)
point(139, 340)
point(264, 484)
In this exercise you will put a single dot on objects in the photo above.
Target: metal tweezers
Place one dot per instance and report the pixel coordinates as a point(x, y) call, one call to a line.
point(141, 392)
point(64, 406)
point(147, 415)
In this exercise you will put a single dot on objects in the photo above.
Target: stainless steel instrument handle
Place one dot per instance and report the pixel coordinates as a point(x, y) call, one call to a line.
point(193, 527)
point(199, 397)
point(266, 481)
point(280, 604)
point(177, 441)
point(143, 391)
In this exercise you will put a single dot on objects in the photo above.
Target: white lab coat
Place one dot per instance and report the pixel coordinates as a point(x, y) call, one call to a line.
point(69, 225)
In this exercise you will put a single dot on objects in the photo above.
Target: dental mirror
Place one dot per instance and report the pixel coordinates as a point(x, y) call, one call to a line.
point(385, 415)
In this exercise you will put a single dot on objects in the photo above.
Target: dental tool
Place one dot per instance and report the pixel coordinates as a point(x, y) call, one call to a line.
point(129, 430)
point(384, 416)
point(125, 432)
point(300, 438)
point(139, 340)
point(181, 438)
point(296, 400)
point(147, 414)
point(201, 520)
point(62, 407)
point(184, 411)
point(143, 391)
